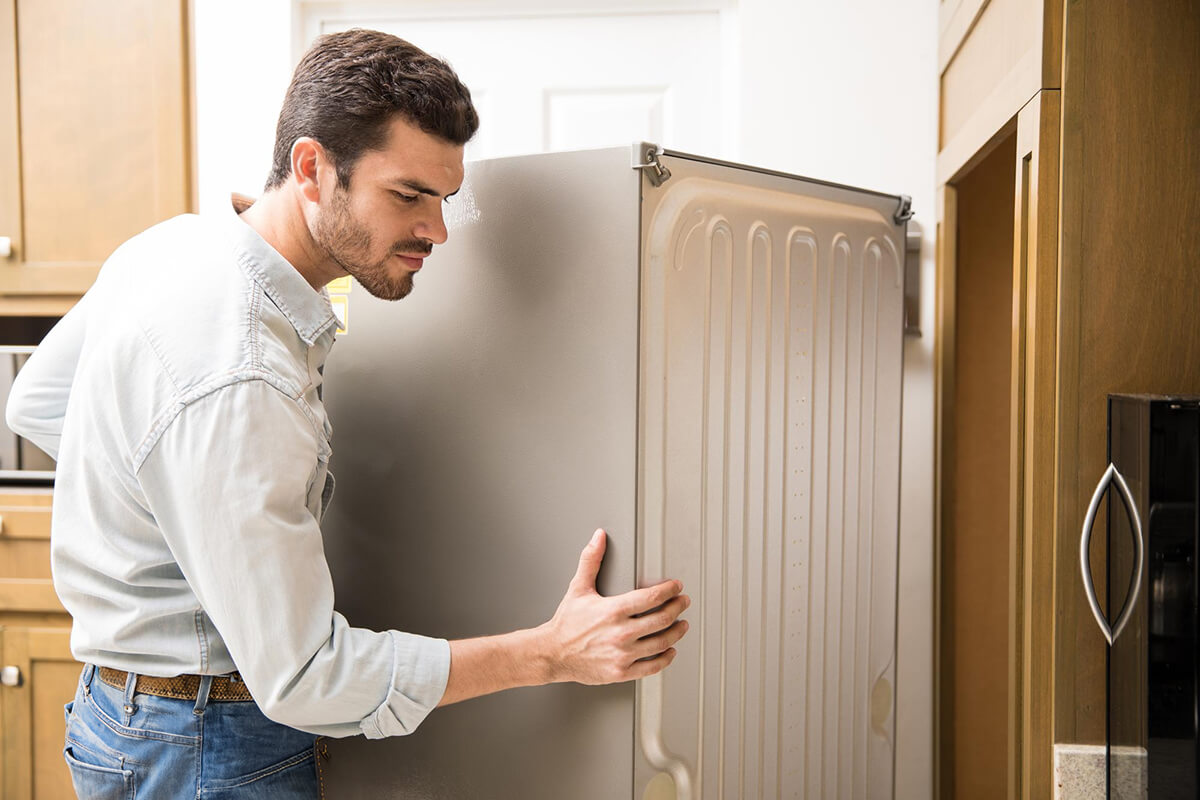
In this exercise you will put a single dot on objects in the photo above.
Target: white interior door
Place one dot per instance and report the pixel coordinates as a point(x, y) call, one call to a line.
point(547, 81)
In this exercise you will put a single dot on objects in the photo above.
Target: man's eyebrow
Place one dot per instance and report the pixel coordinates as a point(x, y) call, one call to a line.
point(421, 188)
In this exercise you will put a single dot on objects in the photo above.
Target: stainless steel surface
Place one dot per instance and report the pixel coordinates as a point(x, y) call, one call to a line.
point(710, 369)
point(771, 347)
point(1112, 477)
point(483, 428)
point(10, 675)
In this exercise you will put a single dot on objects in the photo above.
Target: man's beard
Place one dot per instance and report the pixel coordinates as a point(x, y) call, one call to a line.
point(349, 244)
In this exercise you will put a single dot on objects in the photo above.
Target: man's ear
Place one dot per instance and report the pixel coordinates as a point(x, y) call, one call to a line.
point(307, 158)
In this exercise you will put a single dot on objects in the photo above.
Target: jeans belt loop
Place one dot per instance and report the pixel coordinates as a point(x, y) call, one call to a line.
point(130, 688)
point(89, 671)
point(202, 694)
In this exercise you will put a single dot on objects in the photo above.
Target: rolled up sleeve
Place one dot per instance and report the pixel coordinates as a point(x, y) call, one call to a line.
point(232, 482)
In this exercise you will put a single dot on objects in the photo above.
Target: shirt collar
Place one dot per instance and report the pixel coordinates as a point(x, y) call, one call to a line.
point(308, 310)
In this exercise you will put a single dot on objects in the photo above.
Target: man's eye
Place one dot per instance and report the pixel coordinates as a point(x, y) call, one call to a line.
point(405, 198)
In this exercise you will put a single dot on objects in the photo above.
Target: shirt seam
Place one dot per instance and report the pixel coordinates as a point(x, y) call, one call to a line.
point(202, 638)
point(254, 323)
point(212, 386)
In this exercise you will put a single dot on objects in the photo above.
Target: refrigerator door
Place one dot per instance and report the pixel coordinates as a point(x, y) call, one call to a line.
point(768, 481)
point(483, 428)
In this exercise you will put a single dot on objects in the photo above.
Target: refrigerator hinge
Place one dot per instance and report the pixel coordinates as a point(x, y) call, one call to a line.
point(904, 212)
point(645, 157)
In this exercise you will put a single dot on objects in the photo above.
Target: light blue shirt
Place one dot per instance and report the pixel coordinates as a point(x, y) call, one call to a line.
point(181, 398)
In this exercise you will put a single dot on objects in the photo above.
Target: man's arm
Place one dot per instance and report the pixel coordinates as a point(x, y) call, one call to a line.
point(229, 483)
point(37, 403)
point(591, 639)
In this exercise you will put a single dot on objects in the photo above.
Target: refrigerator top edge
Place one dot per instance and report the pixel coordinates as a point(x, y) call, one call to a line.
point(901, 204)
point(900, 199)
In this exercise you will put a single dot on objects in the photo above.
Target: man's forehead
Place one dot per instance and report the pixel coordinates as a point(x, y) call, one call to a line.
point(418, 160)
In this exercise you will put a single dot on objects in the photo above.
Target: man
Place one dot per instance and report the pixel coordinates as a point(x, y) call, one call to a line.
point(182, 399)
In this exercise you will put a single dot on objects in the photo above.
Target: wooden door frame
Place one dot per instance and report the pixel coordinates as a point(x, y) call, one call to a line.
point(1032, 454)
point(1034, 439)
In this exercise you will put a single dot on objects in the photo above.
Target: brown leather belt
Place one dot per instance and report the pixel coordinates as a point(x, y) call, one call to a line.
point(226, 688)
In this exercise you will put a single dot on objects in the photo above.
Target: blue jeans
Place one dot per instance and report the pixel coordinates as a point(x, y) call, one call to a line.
point(167, 748)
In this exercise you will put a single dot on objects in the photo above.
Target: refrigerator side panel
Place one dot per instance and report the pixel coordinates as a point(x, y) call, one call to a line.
point(483, 428)
point(771, 348)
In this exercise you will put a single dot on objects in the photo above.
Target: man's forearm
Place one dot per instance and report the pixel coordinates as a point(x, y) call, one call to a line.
point(591, 639)
point(494, 663)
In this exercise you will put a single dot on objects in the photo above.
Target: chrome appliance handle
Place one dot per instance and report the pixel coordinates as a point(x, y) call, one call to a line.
point(1110, 475)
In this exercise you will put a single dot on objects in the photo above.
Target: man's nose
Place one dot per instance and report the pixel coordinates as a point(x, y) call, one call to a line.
point(432, 227)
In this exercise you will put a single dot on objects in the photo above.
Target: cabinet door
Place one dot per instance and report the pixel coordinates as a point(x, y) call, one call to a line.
point(94, 134)
point(1128, 295)
point(31, 712)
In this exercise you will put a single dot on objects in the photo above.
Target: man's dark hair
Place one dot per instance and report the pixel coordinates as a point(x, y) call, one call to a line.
point(350, 86)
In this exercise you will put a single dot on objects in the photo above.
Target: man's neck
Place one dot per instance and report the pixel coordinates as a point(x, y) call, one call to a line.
point(278, 218)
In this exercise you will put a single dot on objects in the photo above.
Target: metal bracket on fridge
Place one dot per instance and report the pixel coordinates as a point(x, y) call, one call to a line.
point(912, 280)
point(904, 212)
point(645, 157)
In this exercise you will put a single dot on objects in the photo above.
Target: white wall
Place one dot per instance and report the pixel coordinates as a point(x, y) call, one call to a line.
point(842, 91)
point(243, 62)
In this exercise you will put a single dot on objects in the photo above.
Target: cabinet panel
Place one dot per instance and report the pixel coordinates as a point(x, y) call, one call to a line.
point(1008, 52)
point(25, 515)
point(31, 713)
point(25, 583)
point(1130, 298)
point(95, 137)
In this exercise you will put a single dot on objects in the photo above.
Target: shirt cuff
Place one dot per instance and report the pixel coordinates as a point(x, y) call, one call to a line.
point(420, 670)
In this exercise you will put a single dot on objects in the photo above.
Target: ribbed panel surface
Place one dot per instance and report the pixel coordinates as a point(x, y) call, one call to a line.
point(769, 484)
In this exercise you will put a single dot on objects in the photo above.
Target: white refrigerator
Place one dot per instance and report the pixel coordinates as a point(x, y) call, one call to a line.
point(703, 358)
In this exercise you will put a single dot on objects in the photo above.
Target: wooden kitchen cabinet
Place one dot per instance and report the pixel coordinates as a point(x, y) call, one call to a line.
point(95, 138)
point(993, 56)
point(35, 633)
point(1064, 219)
point(95, 146)
point(32, 721)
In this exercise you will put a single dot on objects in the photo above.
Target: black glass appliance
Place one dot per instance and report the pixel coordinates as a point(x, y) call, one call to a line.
point(1151, 597)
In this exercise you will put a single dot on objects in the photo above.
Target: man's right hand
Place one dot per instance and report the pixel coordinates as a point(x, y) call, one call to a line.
point(594, 640)
point(591, 639)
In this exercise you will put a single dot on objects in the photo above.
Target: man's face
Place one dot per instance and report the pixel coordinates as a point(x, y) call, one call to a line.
point(381, 228)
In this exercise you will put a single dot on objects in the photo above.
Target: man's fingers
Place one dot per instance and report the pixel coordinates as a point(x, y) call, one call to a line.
point(651, 666)
point(660, 642)
point(639, 601)
point(661, 619)
point(589, 564)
